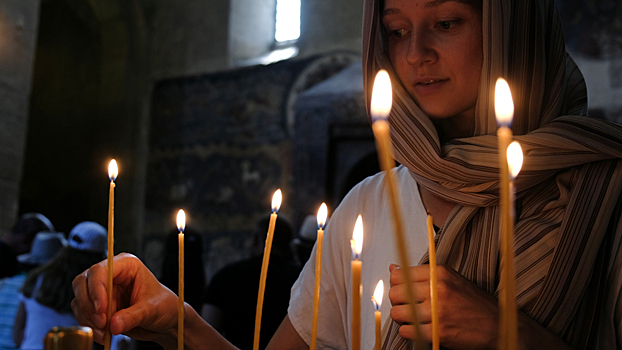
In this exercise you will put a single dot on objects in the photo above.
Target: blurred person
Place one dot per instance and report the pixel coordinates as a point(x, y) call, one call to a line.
point(194, 272)
point(194, 269)
point(307, 235)
point(47, 293)
point(19, 241)
point(230, 302)
point(44, 247)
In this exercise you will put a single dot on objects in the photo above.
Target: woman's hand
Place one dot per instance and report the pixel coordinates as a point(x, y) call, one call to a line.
point(468, 316)
point(143, 308)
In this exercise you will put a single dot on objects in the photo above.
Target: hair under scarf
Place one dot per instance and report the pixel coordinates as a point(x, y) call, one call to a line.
point(566, 239)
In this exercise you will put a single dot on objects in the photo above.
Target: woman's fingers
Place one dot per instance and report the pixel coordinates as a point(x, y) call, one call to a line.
point(398, 294)
point(407, 331)
point(418, 273)
point(402, 314)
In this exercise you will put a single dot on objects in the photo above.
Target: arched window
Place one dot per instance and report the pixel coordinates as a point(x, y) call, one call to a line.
point(287, 28)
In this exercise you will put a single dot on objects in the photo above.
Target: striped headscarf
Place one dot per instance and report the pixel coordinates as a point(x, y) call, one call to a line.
point(566, 235)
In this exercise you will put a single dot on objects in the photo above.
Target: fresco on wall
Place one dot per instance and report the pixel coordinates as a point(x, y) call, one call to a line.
point(220, 145)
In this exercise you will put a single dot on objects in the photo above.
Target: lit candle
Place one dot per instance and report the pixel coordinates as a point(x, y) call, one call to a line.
point(381, 100)
point(322, 213)
point(113, 171)
point(276, 204)
point(181, 226)
point(357, 247)
point(433, 289)
point(377, 300)
point(504, 111)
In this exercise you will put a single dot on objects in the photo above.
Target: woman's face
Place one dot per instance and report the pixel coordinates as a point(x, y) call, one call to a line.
point(435, 47)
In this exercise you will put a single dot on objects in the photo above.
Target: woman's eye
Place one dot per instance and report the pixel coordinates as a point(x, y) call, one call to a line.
point(397, 33)
point(446, 25)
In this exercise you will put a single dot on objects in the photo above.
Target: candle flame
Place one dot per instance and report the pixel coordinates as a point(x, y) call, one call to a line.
point(381, 96)
point(357, 237)
point(276, 201)
point(322, 213)
point(181, 220)
point(378, 294)
point(515, 159)
point(504, 106)
point(113, 170)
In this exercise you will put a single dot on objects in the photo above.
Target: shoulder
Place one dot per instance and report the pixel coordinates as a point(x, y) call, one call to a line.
point(369, 199)
point(374, 185)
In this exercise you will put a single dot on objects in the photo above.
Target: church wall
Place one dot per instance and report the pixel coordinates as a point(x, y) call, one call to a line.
point(18, 34)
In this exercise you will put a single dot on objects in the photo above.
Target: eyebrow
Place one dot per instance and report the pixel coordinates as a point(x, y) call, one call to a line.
point(429, 4)
point(436, 3)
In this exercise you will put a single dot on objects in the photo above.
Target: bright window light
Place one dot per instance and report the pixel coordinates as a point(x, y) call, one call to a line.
point(287, 20)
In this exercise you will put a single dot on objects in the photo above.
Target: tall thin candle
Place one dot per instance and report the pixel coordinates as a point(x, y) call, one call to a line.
point(381, 101)
point(181, 226)
point(276, 204)
point(508, 329)
point(113, 172)
point(433, 285)
point(322, 213)
point(377, 300)
point(357, 289)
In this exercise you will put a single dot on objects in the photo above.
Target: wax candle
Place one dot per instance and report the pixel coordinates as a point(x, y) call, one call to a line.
point(380, 108)
point(504, 111)
point(113, 171)
point(357, 264)
point(181, 226)
point(322, 213)
point(377, 300)
point(433, 285)
point(276, 204)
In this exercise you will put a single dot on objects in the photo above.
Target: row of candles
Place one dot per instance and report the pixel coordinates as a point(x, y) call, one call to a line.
point(510, 163)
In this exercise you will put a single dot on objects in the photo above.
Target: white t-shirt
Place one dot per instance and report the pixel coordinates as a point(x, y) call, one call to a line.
point(368, 198)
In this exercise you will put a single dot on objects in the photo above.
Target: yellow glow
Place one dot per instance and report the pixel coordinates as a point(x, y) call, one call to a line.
point(378, 294)
point(515, 159)
point(322, 213)
point(357, 236)
point(381, 96)
point(181, 220)
point(504, 106)
point(276, 200)
point(113, 170)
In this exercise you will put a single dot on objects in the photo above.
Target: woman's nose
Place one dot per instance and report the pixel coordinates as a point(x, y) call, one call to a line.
point(421, 49)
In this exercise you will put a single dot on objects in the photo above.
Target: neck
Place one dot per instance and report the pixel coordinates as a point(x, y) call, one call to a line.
point(453, 128)
point(438, 207)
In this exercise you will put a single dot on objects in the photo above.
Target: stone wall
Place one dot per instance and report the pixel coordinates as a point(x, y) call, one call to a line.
point(18, 33)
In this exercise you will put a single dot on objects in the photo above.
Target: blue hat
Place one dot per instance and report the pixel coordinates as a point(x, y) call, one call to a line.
point(89, 236)
point(44, 247)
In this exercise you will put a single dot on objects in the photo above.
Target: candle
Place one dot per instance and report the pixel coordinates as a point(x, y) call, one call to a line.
point(276, 204)
point(377, 300)
point(113, 171)
point(322, 213)
point(433, 289)
point(181, 226)
point(504, 111)
point(381, 100)
point(357, 247)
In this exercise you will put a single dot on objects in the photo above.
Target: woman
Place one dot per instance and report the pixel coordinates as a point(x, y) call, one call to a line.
point(444, 57)
point(569, 190)
point(47, 293)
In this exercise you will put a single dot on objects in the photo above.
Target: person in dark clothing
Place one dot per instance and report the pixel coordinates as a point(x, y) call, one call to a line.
point(194, 273)
point(231, 297)
point(194, 270)
point(19, 240)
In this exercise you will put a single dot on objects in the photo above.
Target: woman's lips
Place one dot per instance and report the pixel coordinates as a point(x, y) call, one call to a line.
point(429, 86)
